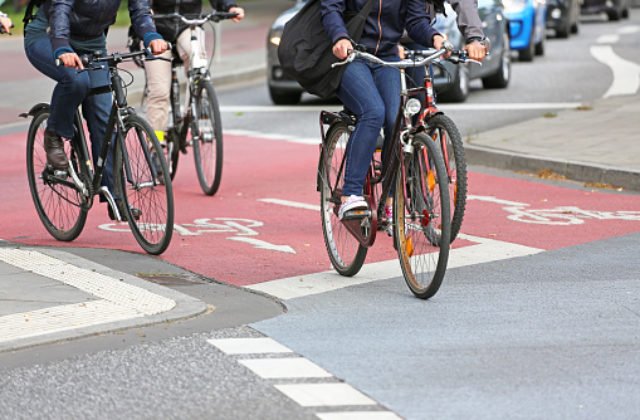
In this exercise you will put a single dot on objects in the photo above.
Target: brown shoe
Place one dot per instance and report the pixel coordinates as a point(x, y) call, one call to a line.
point(54, 147)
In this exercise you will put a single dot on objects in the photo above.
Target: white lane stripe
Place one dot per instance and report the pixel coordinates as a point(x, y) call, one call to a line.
point(317, 395)
point(358, 415)
point(258, 345)
point(630, 29)
point(288, 203)
point(292, 367)
point(62, 318)
point(608, 39)
point(276, 137)
point(94, 283)
point(626, 74)
point(485, 250)
point(517, 106)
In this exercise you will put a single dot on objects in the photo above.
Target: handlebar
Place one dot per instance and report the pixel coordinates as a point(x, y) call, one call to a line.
point(200, 20)
point(115, 58)
point(429, 55)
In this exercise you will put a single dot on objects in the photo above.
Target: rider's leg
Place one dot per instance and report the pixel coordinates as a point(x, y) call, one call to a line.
point(69, 92)
point(158, 74)
point(183, 46)
point(96, 110)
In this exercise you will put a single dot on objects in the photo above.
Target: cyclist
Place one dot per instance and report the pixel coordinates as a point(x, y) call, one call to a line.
point(470, 26)
point(5, 23)
point(372, 91)
point(64, 29)
point(159, 72)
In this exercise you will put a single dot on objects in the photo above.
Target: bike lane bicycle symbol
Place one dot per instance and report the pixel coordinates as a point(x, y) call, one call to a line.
point(242, 230)
point(556, 216)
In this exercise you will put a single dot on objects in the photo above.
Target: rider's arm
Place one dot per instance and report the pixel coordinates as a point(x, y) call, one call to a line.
point(418, 26)
point(140, 14)
point(5, 22)
point(332, 20)
point(468, 19)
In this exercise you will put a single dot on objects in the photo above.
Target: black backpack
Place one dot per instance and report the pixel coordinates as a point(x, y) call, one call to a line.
point(305, 50)
point(29, 14)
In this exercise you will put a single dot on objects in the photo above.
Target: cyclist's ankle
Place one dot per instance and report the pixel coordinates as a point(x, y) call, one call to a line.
point(160, 134)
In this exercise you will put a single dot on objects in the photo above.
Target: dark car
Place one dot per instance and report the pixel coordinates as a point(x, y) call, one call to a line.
point(563, 17)
point(452, 80)
point(615, 9)
point(283, 91)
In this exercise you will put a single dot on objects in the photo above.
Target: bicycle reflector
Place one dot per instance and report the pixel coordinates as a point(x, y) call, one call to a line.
point(412, 107)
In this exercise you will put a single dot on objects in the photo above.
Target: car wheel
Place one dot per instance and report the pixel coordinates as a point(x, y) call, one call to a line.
point(613, 15)
point(284, 97)
point(625, 13)
point(574, 28)
point(459, 89)
point(500, 79)
point(564, 31)
point(528, 53)
point(539, 50)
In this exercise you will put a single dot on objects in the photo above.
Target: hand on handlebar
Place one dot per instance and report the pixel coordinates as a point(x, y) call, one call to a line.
point(342, 48)
point(440, 42)
point(239, 11)
point(5, 25)
point(70, 60)
point(476, 50)
point(158, 46)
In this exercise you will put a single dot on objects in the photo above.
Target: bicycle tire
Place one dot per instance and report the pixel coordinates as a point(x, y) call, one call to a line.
point(206, 137)
point(143, 183)
point(422, 225)
point(456, 166)
point(61, 208)
point(345, 252)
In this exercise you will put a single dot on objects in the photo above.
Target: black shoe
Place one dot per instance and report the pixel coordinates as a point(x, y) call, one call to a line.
point(54, 147)
point(155, 161)
point(136, 213)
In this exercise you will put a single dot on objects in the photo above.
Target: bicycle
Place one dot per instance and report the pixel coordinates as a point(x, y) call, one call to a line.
point(206, 129)
point(412, 170)
point(143, 191)
point(444, 131)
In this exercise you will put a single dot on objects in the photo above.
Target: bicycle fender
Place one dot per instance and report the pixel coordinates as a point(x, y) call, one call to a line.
point(35, 110)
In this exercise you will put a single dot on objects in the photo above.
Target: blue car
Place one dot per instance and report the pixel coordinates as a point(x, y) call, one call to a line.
point(527, 25)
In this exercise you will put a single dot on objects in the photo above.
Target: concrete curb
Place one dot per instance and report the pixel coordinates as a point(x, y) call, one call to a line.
point(185, 306)
point(573, 170)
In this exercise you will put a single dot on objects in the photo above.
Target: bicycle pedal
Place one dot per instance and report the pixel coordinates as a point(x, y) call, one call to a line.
point(356, 214)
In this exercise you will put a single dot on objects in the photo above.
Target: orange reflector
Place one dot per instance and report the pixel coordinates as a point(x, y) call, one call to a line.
point(431, 181)
point(408, 247)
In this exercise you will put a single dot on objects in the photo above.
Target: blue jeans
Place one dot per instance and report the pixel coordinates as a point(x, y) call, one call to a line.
point(72, 90)
point(372, 93)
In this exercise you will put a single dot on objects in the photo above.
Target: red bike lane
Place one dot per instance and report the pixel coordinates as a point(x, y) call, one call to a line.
point(263, 224)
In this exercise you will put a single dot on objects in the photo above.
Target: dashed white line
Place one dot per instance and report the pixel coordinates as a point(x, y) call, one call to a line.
point(608, 39)
point(626, 74)
point(291, 367)
point(358, 415)
point(327, 395)
point(248, 345)
point(630, 29)
point(289, 203)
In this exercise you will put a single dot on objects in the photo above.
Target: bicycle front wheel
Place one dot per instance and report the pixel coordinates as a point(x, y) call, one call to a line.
point(206, 137)
point(423, 226)
point(345, 252)
point(60, 206)
point(443, 131)
point(143, 185)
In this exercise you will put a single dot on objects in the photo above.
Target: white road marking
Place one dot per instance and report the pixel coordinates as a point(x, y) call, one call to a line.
point(260, 244)
point(289, 203)
point(608, 39)
point(358, 415)
point(291, 367)
point(276, 137)
point(316, 395)
point(492, 199)
point(517, 106)
point(117, 300)
point(257, 345)
point(629, 29)
point(626, 74)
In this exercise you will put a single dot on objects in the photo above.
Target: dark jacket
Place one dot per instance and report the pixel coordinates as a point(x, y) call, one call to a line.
point(385, 24)
point(88, 19)
point(171, 28)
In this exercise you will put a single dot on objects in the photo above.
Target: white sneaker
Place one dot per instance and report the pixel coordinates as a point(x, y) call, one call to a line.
point(353, 202)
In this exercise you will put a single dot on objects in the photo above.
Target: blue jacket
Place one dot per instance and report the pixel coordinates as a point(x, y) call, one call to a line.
point(88, 19)
point(384, 26)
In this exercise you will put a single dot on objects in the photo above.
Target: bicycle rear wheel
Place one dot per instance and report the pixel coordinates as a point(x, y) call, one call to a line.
point(345, 252)
point(206, 135)
point(60, 206)
point(422, 227)
point(443, 131)
point(144, 186)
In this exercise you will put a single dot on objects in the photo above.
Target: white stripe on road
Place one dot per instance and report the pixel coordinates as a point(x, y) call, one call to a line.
point(277, 137)
point(291, 367)
point(630, 29)
point(608, 39)
point(445, 107)
point(328, 395)
point(288, 203)
point(358, 415)
point(248, 345)
point(117, 301)
point(626, 74)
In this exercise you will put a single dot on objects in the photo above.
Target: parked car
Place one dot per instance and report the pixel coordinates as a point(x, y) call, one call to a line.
point(615, 9)
point(452, 80)
point(527, 26)
point(283, 90)
point(563, 17)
